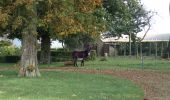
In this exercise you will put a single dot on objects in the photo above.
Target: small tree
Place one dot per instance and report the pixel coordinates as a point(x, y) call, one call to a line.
point(127, 17)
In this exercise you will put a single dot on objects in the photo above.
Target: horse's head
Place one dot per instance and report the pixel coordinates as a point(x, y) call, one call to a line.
point(87, 50)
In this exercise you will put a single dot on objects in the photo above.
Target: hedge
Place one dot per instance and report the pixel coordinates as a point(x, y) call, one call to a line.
point(59, 55)
point(56, 56)
point(9, 59)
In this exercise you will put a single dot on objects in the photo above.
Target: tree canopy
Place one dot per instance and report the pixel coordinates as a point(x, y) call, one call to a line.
point(126, 17)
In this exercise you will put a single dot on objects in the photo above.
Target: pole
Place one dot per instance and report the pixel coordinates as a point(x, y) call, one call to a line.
point(142, 62)
point(130, 45)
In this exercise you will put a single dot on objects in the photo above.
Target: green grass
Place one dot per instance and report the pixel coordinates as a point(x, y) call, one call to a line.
point(54, 64)
point(6, 65)
point(129, 63)
point(113, 63)
point(67, 86)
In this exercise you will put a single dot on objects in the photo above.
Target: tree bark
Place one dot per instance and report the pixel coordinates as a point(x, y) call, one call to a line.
point(45, 49)
point(29, 63)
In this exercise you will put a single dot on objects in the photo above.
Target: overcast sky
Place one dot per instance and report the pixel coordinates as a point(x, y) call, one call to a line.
point(161, 22)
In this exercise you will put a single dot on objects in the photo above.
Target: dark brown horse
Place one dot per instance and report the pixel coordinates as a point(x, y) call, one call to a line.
point(80, 55)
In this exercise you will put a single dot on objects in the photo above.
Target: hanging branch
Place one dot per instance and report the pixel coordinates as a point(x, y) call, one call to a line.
point(149, 27)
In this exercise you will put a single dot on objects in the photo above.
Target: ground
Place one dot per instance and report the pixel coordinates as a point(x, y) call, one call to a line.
point(155, 84)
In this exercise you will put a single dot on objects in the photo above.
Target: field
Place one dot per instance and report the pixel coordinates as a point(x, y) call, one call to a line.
point(120, 78)
point(56, 85)
point(130, 63)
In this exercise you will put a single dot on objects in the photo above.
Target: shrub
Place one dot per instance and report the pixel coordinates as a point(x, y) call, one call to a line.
point(9, 50)
point(93, 55)
point(9, 59)
point(12, 59)
point(103, 59)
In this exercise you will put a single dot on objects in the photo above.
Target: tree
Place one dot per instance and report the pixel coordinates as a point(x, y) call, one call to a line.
point(72, 19)
point(78, 41)
point(29, 63)
point(22, 15)
point(127, 17)
point(61, 17)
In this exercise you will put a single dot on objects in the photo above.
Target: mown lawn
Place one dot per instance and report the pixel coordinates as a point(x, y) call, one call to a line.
point(129, 63)
point(67, 86)
point(112, 63)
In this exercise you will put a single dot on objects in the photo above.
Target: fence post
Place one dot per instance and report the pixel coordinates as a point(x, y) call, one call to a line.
point(142, 62)
point(156, 50)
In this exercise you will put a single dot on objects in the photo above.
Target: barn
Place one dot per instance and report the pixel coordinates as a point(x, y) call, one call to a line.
point(151, 45)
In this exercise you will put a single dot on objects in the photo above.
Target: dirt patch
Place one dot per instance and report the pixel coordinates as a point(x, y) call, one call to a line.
point(156, 84)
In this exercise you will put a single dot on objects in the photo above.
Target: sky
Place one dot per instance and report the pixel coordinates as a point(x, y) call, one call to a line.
point(160, 22)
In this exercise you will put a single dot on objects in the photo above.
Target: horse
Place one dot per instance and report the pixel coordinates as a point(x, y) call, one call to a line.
point(80, 55)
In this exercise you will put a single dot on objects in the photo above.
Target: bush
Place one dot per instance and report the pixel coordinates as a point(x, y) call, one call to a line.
point(9, 50)
point(58, 55)
point(9, 59)
point(12, 59)
point(61, 54)
point(93, 55)
point(103, 59)
point(60, 59)
point(2, 59)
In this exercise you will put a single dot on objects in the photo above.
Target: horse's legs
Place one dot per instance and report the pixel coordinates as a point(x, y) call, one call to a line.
point(82, 62)
point(75, 62)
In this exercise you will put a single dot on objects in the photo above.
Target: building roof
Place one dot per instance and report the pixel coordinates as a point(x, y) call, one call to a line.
point(150, 38)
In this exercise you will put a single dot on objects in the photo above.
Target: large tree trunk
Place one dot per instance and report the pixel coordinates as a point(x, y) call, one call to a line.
point(45, 49)
point(29, 63)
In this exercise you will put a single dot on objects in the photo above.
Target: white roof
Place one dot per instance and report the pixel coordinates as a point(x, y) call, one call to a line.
point(125, 38)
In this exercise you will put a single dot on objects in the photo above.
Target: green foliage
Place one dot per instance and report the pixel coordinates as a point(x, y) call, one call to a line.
point(12, 59)
point(103, 59)
point(62, 50)
point(9, 59)
point(77, 41)
point(93, 55)
point(9, 50)
point(5, 43)
point(59, 55)
point(9, 53)
point(126, 16)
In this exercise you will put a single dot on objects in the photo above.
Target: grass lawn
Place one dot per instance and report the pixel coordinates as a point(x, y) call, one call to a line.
point(113, 63)
point(67, 86)
point(12, 65)
point(129, 63)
